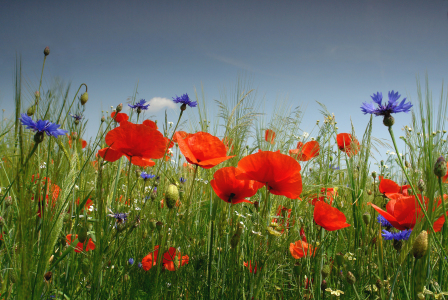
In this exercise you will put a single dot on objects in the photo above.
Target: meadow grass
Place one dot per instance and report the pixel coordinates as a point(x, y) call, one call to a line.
point(47, 187)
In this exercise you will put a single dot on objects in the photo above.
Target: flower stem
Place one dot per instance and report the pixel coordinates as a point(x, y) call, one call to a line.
point(415, 193)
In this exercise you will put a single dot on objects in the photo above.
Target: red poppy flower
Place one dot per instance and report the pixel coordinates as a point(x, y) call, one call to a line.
point(348, 144)
point(150, 260)
point(330, 193)
point(329, 217)
point(300, 249)
point(233, 190)
point(87, 205)
point(279, 172)
point(302, 234)
point(136, 141)
point(80, 140)
point(269, 136)
point(182, 134)
point(53, 190)
point(150, 124)
point(403, 212)
point(388, 186)
point(249, 266)
point(169, 144)
point(285, 213)
point(120, 117)
point(305, 152)
point(202, 149)
point(80, 246)
point(173, 260)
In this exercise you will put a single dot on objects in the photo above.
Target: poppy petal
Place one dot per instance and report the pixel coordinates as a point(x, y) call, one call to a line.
point(329, 217)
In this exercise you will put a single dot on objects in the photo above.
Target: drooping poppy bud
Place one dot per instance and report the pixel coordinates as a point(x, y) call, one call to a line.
point(84, 98)
point(420, 245)
point(351, 278)
point(325, 271)
point(31, 110)
point(366, 218)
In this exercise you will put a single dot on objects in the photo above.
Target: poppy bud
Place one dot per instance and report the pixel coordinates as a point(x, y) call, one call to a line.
point(171, 195)
point(236, 237)
point(440, 167)
point(152, 225)
point(382, 162)
point(388, 121)
point(421, 185)
point(47, 276)
point(31, 110)
point(366, 218)
point(103, 119)
point(420, 245)
point(159, 226)
point(39, 137)
point(82, 235)
point(47, 51)
point(324, 285)
point(325, 271)
point(351, 278)
point(84, 98)
point(257, 205)
point(119, 107)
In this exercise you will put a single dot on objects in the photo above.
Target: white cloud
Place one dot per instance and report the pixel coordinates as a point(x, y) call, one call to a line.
point(158, 103)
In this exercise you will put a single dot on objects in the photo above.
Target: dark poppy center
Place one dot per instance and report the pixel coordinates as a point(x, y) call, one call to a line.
point(231, 197)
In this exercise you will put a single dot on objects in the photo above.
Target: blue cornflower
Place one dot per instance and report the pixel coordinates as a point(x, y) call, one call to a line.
point(42, 126)
point(121, 217)
point(146, 176)
point(185, 100)
point(76, 117)
point(392, 107)
point(140, 105)
point(182, 180)
point(402, 235)
point(131, 261)
point(383, 221)
point(334, 167)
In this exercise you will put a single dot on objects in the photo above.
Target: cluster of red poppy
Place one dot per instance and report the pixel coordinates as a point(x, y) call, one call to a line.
point(171, 261)
point(403, 210)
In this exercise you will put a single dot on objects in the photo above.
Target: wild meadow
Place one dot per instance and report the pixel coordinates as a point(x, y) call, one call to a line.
point(239, 205)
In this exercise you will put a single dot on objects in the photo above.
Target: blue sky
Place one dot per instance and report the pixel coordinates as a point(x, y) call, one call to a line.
point(335, 52)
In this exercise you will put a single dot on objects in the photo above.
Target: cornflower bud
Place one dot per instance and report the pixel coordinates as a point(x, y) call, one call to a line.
point(351, 278)
point(388, 120)
point(440, 167)
point(103, 119)
point(47, 51)
point(421, 185)
point(119, 107)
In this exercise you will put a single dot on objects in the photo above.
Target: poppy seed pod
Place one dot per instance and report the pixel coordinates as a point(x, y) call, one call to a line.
point(374, 175)
point(47, 51)
point(171, 195)
point(420, 245)
point(84, 98)
point(440, 167)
